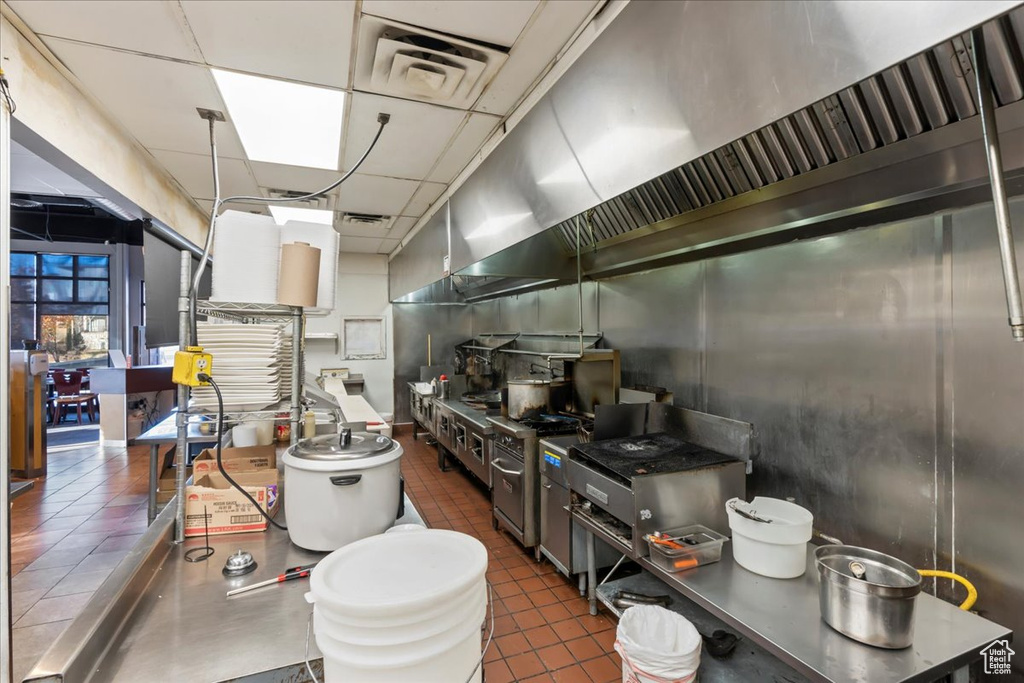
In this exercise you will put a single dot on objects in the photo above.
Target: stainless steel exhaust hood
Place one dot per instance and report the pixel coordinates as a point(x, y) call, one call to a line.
point(748, 95)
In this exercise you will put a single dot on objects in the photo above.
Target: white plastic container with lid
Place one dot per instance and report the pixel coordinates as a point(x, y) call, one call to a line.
point(401, 607)
point(774, 542)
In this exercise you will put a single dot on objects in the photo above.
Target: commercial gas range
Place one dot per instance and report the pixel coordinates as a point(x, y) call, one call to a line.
point(626, 488)
point(515, 493)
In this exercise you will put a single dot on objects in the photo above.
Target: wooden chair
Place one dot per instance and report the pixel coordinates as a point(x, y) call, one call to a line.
point(68, 386)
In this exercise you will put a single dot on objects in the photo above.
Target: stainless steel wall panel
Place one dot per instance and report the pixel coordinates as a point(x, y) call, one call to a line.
point(447, 326)
point(656, 317)
point(420, 263)
point(828, 348)
point(988, 432)
point(558, 309)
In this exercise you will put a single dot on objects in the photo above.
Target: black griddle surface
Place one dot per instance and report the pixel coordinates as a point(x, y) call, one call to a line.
point(659, 453)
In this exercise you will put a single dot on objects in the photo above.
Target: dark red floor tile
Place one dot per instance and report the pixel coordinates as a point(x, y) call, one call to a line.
point(498, 672)
point(570, 629)
point(572, 674)
point(603, 670)
point(585, 648)
point(513, 644)
point(542, 636)
point(556, 657)
point(530, 619)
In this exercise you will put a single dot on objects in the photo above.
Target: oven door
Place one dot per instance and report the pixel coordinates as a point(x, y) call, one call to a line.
point(507, 473)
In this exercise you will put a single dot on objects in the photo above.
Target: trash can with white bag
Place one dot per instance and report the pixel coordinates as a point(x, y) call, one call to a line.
point(657, 646)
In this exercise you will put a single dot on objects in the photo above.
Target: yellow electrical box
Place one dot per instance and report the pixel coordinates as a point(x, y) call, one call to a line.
point(189, 364)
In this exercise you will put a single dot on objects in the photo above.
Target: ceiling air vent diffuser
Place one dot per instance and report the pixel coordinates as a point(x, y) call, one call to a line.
point(323, 203)
point(418, 64)
point(360, 223)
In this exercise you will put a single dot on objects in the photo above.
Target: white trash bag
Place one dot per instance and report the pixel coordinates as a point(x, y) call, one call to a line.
point(657, 646)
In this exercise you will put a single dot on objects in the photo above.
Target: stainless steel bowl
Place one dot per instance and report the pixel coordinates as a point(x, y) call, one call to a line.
point(867, 595)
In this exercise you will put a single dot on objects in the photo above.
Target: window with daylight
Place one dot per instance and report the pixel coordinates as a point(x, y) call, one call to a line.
point(62, 300)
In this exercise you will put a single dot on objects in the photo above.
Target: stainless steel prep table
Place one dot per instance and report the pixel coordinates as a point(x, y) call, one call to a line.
point(783, 617)
point(184, 628)
point(161, 434)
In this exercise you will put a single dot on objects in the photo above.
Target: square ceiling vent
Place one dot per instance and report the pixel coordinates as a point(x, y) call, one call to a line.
point(417, 64)
point(325, 203)
point(363, 224)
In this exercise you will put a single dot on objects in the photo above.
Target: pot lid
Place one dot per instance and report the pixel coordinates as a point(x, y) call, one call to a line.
point(868, 569)
point(337, 447)
point(529, 382)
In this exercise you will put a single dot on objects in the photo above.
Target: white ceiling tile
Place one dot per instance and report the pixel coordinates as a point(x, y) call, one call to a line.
point(154, 28)
point(387, 246)
point(284, 177)
point(532, 53)
point(426, 195)
point(195, 174)
point(155, 99)
point(490, 22)
point(401, 227)
point(411, 142)
point(261, 209)
point(374, 194)
point(303, 40)
point(363, 245)
point(466, 144)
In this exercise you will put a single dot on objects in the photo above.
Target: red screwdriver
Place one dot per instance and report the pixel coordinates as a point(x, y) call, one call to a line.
point(289, 574)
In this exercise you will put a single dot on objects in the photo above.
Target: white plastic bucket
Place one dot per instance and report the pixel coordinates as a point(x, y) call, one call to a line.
point(401, 607)
point(657, 646)
point(777, 549)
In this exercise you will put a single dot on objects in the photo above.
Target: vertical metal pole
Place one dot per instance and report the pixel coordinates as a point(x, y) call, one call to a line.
point(592, 572)
point(986, 106)
point(6, 659)
point(298, 323)
point(181, 417)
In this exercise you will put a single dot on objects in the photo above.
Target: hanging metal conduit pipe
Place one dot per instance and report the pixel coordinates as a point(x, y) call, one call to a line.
point(1011, 278)
point(579, 292)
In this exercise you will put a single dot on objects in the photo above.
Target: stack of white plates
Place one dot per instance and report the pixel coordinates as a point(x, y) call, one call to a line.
point(245, 366)
point(284, 362)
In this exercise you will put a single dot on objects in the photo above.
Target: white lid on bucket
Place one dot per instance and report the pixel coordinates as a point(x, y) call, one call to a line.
point(393, 573)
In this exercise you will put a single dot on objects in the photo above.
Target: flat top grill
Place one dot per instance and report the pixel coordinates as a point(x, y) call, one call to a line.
point(548, 425)
point(635, 456)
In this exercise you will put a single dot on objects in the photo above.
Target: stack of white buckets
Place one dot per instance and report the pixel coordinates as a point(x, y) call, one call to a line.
point(401, 607)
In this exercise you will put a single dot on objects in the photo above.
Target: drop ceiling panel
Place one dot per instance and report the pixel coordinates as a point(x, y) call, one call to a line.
point(411, 142)
point(490, 22)
point(195, 174)
point(150, 27)
point(284, 177)
point(155, 99)
point(465, 145)
point(426, 195)
point(387, 246)
point(537, 47)
point(374, 194)
point(361, 245)
point(303, 40)
point(261, 209)
point(401, 227)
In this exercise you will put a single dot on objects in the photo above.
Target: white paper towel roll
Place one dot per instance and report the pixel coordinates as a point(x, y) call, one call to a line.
point(326, 240)
point(246, 250)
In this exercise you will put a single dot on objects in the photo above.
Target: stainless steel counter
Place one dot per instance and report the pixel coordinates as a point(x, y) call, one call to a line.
point(479, 418)
point(783, 617)
point(184, 628)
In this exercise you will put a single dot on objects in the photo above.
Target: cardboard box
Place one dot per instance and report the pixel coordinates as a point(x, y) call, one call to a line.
point(168, 482)
point(249, 459)
point(226, 510)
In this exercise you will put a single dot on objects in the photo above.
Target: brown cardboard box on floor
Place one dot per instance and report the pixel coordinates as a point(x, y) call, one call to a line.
point(168, 483)
point(248, 459)
point(212, 500)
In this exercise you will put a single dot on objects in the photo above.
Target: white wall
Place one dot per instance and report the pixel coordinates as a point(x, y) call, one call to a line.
point(362, 289)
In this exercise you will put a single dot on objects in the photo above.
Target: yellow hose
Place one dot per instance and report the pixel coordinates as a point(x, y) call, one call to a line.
point(972, 592)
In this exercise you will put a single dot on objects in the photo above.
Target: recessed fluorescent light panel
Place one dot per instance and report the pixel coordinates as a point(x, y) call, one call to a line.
point(283, 214)
point(284, 123)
